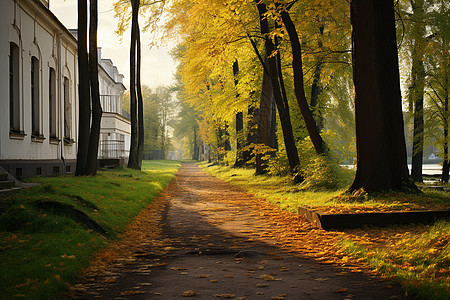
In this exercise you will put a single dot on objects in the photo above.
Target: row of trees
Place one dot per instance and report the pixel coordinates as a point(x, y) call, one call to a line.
point(243, 61)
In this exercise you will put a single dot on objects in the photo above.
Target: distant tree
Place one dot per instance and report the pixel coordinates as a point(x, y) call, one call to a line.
point(381, 150)
point(83, 90)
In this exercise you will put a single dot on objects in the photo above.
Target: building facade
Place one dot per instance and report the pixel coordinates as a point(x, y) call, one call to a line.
point(38, 119)
point(115, 132)
point(39, 94)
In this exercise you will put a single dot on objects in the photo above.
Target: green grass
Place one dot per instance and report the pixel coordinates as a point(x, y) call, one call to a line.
point(420, 262)
point(42, 250)
point(281, 191)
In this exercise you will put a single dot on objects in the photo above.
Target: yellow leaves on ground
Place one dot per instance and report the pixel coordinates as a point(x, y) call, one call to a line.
point(189, 293)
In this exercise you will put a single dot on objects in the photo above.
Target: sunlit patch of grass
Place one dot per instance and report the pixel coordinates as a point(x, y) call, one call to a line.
point(42, 250)
point(281, 191)
point(277, 190)
point(421, 262)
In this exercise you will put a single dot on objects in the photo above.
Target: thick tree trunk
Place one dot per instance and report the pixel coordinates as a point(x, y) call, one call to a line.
point(94, 137)
point(311, 126)
point(133, 160)
point(84, 108)
point(380, 141)
point(283, 110)
point(140, 103)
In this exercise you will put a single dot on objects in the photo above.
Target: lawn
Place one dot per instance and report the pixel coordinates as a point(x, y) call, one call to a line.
point(48, 233)
point(417, 256)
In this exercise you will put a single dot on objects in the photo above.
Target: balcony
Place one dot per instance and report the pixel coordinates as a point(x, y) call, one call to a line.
point(113, 104)
point(111, 149)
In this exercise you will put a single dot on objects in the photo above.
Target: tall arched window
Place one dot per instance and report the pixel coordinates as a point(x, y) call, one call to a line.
point(67, 110)
point(52, 102)
point(35, 99)
point(14, 105)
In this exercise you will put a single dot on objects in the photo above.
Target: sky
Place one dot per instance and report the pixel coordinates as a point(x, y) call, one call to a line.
point(157, 65)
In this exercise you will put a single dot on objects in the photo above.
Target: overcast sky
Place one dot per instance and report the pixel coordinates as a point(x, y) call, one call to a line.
point(157, 65)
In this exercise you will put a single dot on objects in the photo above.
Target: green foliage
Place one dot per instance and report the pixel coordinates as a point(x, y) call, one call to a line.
point(44, 249)
point(321, 171)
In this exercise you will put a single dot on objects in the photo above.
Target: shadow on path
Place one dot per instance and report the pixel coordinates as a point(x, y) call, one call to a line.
point(219, 243)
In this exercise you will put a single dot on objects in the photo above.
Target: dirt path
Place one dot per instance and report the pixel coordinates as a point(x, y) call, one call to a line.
point(218, 242)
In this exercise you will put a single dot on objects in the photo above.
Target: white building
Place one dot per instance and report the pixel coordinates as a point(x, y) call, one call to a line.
point(115, 132)
point(39, 97)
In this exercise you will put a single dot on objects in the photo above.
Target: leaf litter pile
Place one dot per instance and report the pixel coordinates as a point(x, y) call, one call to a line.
point(200, 216)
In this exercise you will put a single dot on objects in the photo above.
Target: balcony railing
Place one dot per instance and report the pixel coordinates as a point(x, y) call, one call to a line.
point(113, 104)
point(112, 149)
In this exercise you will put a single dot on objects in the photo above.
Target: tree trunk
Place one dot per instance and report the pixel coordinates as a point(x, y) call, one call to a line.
point(283, 110)
point(133, 160)
point(252, 133)
point(84, 108)
point(381, 150)
point(311, 126)
point(264, 120)
point(316, 88)
point(94, 137)
point(239, 124)
point(446, 160)
point(418, 88)
point(140, 103)
point(195, 155)
point(417, 156)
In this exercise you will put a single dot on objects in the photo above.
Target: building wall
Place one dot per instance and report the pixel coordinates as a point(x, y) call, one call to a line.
point(37, 33)
point(115, 132)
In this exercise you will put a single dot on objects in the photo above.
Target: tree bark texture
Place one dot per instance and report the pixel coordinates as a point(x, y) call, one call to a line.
point(94, 137)
point(311, 126)
point(133, 157)
point(83, 90)
point(380, 141)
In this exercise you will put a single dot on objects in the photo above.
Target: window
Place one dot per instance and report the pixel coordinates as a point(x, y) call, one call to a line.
point(52, 102)
point(67, 110)
point(35, 125)
point(14, 113)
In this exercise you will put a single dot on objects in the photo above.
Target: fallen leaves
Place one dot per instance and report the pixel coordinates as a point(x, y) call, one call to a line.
point(225, 296)
point(189, 293)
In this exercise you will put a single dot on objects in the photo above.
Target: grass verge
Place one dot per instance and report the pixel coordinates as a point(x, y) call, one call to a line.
point(416, 256)
point(281, 191)
point(48, 233)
